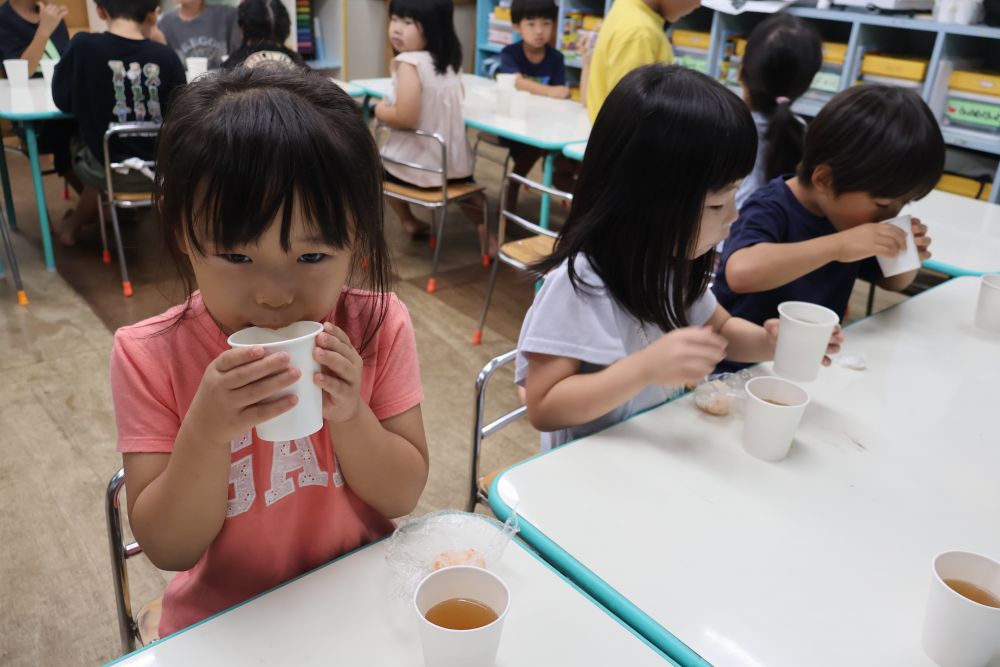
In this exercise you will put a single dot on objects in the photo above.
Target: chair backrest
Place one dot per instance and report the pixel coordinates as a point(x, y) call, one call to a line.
point(422, 135)
point(137, 129)
point(507, 215)
point(120, 552)
point(480, 431)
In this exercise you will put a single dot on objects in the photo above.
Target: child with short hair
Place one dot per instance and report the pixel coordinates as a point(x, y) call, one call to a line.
point(265, 25)
point(115, 76)
point(268, 244)
point(625, 317)
point(869, 151)
point(783, 54)
point(196, 29)
point(632, 35)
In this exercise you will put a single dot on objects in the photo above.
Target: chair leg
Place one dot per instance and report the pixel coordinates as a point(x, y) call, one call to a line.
point(8, 244)
point(105, 253)
point(484, 242)
point(432, 281)
point(126, 283)
point(871, 299)
point(477, 335)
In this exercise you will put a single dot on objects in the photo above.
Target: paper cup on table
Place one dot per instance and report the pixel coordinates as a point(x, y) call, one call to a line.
point(504, 96)
point(48, 69)
point(988, 306)
point(519, 104)
point(908, 259)
point(774, 409)
point(17, 71)
point(506, 81)
point(962, 622)
point(196, 66)
point(298, 340)
point(476, 647)
point(803, 336)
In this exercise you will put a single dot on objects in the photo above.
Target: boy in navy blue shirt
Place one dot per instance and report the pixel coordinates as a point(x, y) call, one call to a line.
point(870, 151)
point(540, 70)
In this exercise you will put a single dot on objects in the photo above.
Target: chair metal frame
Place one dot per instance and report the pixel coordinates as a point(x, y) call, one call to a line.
point(144, 129)
point(481, 431)
point(441, 205)
point(8, 246)
point(534, 228)
point(128, 629)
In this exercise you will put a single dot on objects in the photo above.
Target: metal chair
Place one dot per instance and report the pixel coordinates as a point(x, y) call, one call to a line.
point(126, 200)
point(142, 627)
point(436, 199)
point(521, 253)
point(479, 485)
point(8, 247)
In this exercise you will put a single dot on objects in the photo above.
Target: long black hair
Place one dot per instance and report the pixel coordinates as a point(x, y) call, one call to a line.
point(665, 137)
point(782, 57)
point(437, 21)
point(241, 149)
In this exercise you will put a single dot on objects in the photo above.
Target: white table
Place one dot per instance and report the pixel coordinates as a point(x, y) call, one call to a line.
point(965, 233)
point(345, 613)
point(28, 105)
point(576, 151)
point(549, 124)
point(820, 560)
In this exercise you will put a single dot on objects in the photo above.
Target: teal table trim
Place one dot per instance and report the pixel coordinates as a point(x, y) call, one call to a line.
point(953, 271)
point(575, 151)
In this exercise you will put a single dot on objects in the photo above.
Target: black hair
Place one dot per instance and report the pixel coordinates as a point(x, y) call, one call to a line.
point(522, 10)
point(133, 10)
point(242, 149)
point(436, 20)
point(664, 139)
point(782, 57)
point(882, 140)
point(263, 21)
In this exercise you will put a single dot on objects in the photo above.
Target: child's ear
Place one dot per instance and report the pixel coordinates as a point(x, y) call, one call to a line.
point(103, 14)
point(822, 179)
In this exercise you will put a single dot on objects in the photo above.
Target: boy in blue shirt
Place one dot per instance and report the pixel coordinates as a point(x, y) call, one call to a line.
point(540, 70)
point(869, 152)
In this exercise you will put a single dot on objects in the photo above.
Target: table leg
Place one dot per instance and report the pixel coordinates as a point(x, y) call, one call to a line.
point(6, 188)
point(543, 214)
point(43, 211)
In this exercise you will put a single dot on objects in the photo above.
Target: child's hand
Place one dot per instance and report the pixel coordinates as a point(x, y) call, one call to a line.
point(921, 239)
point(684, 356)
point(341, 376)
point(869, 240)
point(833, 347)
point(232, 396)
point(50, 16)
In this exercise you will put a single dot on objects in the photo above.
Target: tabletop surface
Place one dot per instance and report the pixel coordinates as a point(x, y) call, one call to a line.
point(965, 233)
point(823, 559)
point(33, 102)
point(347, 613)
point(576, 151)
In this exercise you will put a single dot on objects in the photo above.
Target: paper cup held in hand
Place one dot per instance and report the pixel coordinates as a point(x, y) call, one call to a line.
point(773, 411)
point(962, 621)
point(908, 259)
point(803, 335)
point(988, 304)
point(298, 340)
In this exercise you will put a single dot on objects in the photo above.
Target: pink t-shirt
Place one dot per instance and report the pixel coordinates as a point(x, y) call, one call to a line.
point(290, 509)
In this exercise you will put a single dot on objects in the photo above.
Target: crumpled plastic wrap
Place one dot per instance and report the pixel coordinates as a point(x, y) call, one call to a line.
point(441, 539)
point(720, 394)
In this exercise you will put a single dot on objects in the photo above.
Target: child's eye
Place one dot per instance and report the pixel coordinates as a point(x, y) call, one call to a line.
point(313, 257)
point(235, 258)
point(716, 207)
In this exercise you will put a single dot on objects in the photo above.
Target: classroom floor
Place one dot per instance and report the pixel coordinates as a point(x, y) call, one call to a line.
point(57, 426)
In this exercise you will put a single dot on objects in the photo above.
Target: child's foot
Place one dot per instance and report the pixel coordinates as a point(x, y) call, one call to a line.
point(489, 242)
point(66, 229)
point(417, 229)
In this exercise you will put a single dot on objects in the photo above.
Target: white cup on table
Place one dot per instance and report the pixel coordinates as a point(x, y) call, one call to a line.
point(48, 69)
point(962, 621)
point(988, 305)
point(299, 341)
point(519, 104)
point(906, 260)
point(804, 332)
point(196, 66)
point(773, 412)
point(17, 72)
point(473, 647)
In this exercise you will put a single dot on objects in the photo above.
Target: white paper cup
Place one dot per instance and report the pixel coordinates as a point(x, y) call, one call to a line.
point(768, 429)
point(988, 307)
point(803, 336)
point(519, 104)
point(959, 632)
point(17, 71)
point(298, 340)
point(196, 66)
point(48, 69)
point(907, 260)
point(504, 96)
point(506, 81)
point(461, 648)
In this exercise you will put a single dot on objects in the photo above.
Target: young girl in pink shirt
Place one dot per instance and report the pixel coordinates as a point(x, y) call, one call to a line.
point(269, 186)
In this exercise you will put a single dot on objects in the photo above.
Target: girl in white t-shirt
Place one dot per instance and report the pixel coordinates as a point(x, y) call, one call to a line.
point(427, 95)
point(625, 317)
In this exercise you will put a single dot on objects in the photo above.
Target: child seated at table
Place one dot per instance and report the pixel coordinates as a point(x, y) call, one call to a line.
point(427, 95)
point(265, 26)
point(808, 236)
point(114, 76)
point(267, 245)
point(625, 318)
point(196, 29)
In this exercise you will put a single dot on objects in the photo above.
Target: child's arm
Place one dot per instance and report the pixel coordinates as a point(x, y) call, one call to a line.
point(767, 266)
point(49, 18)
point(404, 114)
point(177, 502)
point(750, 343)
point(522, 82)
point(558, 395)
point(385, 462)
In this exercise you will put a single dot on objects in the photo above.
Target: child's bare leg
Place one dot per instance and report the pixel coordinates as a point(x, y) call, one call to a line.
point(85, 212)
point(525, 159)
point(473, 210)
point(413, 226)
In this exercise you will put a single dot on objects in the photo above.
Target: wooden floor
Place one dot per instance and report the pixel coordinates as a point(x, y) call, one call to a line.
point(57, 430)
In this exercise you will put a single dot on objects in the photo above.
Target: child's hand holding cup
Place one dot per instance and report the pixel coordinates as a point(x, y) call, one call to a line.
point(909, 258)
point(806, 332)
